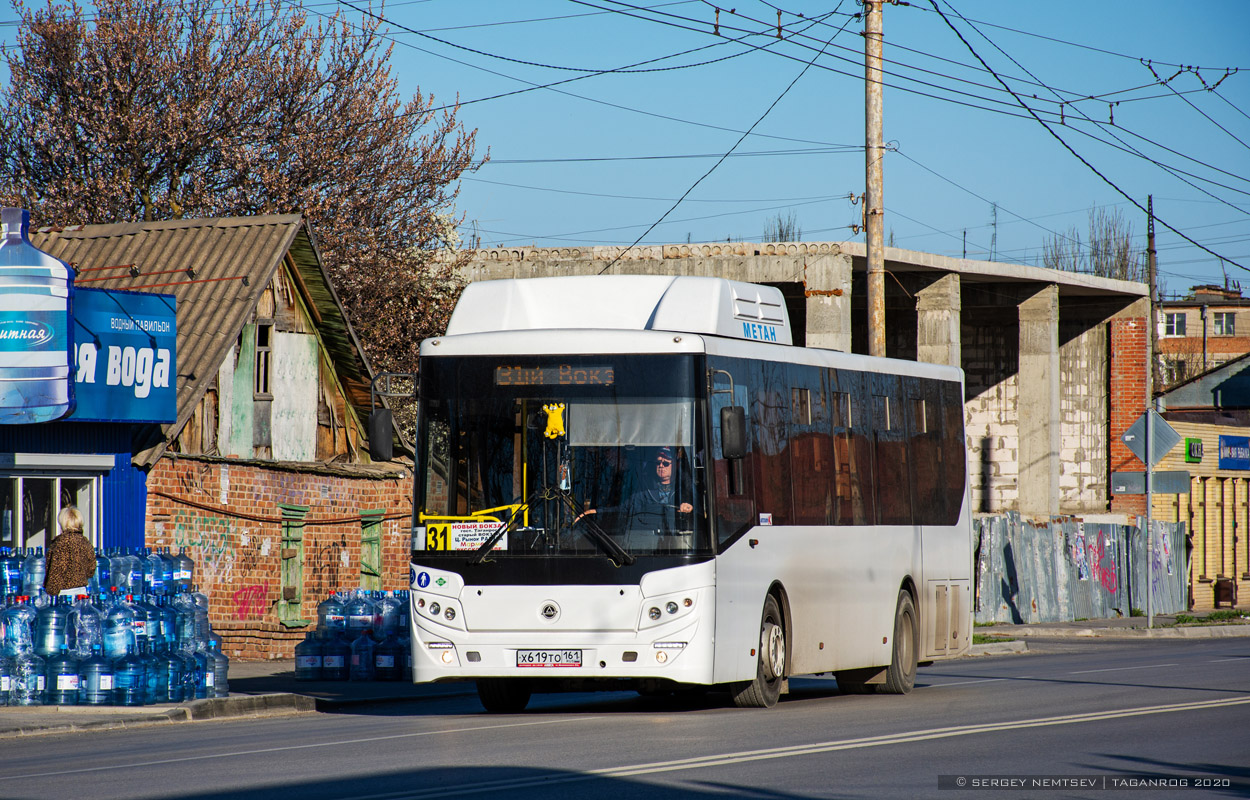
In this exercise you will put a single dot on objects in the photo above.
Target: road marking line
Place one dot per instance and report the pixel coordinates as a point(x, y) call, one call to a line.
point(726, 759)
point(1222, 660)
point(260, 750)
point(1121, 669)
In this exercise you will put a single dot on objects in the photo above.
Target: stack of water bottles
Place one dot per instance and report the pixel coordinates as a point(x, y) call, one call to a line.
point(140, 635)
point(361, 635)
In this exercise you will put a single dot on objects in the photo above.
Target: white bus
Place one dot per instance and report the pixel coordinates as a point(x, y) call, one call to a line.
point(636, 482)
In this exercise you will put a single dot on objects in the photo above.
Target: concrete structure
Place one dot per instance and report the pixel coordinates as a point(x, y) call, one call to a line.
point(1201, 331)
point(1056, 362)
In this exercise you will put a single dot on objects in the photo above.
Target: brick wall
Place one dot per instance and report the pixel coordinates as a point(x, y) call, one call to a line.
point(1129, 348)
point(1083, 405)
point(225, 514)
point(991, 345)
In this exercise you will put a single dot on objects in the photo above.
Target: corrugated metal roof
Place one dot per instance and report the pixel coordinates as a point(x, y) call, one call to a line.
point(217, 269)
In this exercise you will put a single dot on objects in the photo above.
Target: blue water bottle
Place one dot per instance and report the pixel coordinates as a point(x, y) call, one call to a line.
point(36, 327)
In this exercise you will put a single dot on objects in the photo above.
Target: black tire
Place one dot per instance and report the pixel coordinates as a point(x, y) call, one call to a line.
point(503, 695)
point(900, 676)
point(770, 662)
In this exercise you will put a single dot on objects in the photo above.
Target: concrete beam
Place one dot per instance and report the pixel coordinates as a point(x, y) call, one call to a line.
point(938, 310)
point(1038, 410)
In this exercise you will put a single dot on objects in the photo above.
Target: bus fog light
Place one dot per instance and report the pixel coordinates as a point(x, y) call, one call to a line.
point(671, 607)
point(661, 656)
point(654, 613)
point(448, 657)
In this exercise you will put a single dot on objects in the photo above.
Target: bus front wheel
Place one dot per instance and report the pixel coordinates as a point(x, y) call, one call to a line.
point(503, 695)
point(900, 676)
point(770, 663)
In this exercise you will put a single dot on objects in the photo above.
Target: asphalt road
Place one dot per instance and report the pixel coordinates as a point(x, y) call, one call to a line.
point(1175, 714)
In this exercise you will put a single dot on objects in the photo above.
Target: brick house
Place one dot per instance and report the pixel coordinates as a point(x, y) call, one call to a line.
point(265, 477)
point(1201, 331)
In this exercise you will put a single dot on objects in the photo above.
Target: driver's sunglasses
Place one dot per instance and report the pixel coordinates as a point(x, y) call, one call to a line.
point(663, 462)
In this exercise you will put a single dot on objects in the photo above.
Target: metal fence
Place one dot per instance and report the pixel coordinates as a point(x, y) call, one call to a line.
point(1068, 569)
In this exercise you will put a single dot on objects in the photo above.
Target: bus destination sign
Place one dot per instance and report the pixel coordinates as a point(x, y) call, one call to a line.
point(558, 375)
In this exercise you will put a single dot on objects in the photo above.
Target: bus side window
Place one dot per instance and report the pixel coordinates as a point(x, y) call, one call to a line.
point(924, 428)
point(853, 458)
point(954, 452)
point(811, 448)
point(890, 456)
point(770, 424)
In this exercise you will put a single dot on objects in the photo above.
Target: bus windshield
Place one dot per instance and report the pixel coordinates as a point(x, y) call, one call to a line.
point(560, 456)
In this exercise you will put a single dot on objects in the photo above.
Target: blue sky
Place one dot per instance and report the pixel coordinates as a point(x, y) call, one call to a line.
point(600, 159)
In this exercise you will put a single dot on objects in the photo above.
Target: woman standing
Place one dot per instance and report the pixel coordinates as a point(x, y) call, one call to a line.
point(71, 559)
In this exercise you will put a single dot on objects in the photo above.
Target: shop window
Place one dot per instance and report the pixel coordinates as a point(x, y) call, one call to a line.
point(29, 505)
point(371, 548)
point(1223, 323)
point(291, 567)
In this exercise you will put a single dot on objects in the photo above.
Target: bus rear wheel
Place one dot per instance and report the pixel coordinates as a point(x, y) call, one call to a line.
point(770, 663)
point(900, 676)
point(503, 695)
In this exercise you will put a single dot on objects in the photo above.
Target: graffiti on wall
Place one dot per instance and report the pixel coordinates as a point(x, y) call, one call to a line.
point(249, 602)
point(208, 539)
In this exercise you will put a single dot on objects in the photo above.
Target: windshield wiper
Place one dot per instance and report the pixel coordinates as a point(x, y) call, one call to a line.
point(618, 555)
point(480, 554)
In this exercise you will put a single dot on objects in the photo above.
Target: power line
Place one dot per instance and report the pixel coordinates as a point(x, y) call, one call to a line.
point(755, 153)
point(784, 92)
point(1102, 128)
point(1063, 41)
point(651, 199)
point(1068, 147)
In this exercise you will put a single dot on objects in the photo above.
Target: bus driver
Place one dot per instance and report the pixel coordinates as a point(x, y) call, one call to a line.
point(654, 508)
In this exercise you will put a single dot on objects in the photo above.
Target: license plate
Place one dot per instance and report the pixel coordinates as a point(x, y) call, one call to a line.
point(549, 658)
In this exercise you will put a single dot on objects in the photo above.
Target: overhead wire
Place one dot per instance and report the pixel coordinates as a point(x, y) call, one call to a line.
point(712, 169)
point(1054, 115)
point(1099, 125)
point(651, 199)
point(1069, 148)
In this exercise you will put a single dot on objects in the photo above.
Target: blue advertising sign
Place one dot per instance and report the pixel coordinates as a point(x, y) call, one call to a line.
point(1235, 452)
point(35, 328)
point(125, 356)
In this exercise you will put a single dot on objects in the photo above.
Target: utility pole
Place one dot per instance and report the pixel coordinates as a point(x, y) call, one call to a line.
point(1152, 276)
point(874, 154)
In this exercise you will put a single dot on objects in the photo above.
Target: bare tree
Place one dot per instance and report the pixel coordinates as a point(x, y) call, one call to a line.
point(1107, 251)
point(156, 109)
point(782, 229)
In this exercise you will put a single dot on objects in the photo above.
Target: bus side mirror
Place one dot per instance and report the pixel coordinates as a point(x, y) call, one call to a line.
point(733, 432)
point(381, 435)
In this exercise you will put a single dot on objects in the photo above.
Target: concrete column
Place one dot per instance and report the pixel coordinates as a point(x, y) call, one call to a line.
point(938, 311)
point(827, 285)
point(1038, 403)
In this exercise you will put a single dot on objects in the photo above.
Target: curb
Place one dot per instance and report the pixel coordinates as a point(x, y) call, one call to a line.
point(999, 648)
point(1194, 632)
point(114, 718)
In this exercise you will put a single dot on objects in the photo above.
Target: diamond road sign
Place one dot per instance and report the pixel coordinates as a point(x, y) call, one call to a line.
point(1163, 437)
